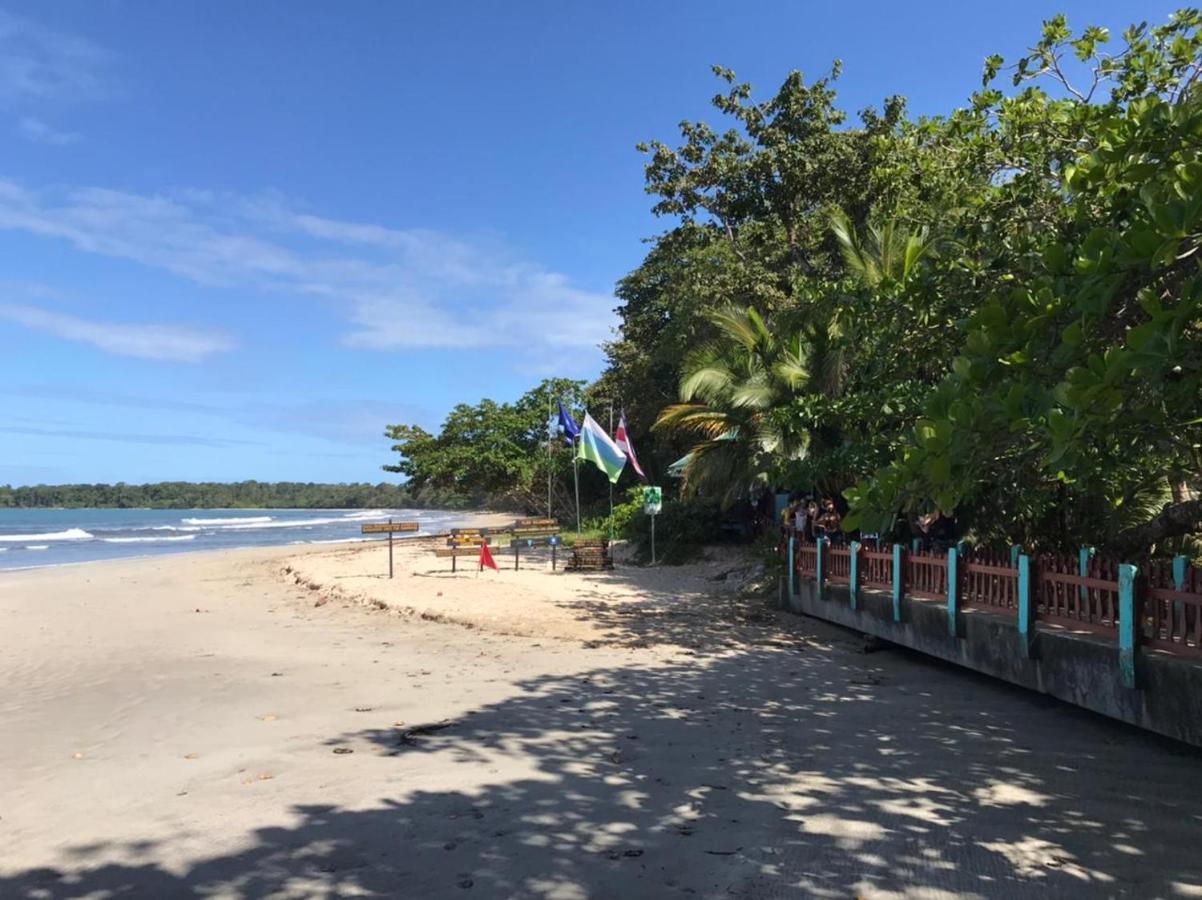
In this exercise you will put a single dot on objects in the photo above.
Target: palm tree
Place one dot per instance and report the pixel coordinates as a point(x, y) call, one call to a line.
point(728, 391)
point(888, 252)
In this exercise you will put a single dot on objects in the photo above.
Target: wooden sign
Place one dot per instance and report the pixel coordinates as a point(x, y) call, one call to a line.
point(536, 523)
point(389, 527)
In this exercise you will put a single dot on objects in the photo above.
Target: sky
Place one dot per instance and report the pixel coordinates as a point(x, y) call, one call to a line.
point(238, 239)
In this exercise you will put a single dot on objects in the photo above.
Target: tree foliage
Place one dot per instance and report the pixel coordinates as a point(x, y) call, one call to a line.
point(1005, 299)
point(493, 454)
point(217, 495)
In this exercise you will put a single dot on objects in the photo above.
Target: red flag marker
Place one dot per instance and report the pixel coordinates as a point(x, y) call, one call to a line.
point(486, 557)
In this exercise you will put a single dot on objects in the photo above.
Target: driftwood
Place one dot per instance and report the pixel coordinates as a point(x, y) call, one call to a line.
point(407, 735)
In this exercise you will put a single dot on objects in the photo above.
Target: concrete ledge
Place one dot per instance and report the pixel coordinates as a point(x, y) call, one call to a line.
point(1078, 669)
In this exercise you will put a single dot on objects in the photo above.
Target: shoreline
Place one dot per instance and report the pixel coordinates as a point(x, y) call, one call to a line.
point(483, 518)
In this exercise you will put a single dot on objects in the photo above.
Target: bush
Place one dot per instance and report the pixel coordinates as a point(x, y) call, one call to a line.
point(682, 529)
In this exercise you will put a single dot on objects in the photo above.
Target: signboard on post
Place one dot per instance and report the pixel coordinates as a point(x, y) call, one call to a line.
point(389, 527)
point(653, 502)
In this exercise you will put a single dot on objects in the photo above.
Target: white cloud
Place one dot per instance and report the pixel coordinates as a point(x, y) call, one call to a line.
point(40, 133)
point(399, 289)
point(172, 343)
point(37, 63)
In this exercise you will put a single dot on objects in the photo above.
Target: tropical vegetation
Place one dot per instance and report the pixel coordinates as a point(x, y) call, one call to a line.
point(995, 314)
point(218, 495)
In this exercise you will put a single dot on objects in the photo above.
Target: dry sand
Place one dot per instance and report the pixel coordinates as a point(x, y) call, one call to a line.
point(180, 727)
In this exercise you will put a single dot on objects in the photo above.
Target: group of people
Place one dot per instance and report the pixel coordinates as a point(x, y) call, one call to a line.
point(813, 519)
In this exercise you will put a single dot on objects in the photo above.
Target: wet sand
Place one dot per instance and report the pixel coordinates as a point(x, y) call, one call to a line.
point(284, 723)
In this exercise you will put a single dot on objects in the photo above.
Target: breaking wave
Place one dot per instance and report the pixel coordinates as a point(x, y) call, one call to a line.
point(229, 521)
point(71, 534)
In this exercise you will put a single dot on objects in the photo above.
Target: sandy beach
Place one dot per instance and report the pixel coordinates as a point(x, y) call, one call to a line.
point(290, 723)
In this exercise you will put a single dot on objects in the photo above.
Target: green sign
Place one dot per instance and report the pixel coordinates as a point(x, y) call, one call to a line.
point(653, 500)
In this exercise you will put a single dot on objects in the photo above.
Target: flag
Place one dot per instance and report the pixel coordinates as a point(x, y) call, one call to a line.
point(486, 557)
point(568, 425)
point(622, 439)
point(597, 447)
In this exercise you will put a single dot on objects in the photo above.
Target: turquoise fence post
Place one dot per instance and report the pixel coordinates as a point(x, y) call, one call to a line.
point(1026, 608)
point(1083, 557)
point(790, 563)
point(953, 590)
point(915, 544)
point(1179, 566)
point(897, 582)
point(819, 573)
point(853, 580)
point(1127, 624)
point(1015, 551)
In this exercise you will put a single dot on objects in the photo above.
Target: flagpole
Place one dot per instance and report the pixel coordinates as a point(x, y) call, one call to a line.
point(576, 476)
point(550, 413)
point(611, 484)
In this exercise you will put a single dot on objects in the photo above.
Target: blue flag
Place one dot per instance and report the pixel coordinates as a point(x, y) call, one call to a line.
point(568, 425)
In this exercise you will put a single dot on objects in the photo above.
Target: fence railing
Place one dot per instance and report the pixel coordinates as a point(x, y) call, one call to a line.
point(1066, 595)
point(1082, 594)
point(1173, 607)
point(988, 581)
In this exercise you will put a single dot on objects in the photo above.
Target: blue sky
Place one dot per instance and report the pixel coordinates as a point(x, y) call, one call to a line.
point(240, 238)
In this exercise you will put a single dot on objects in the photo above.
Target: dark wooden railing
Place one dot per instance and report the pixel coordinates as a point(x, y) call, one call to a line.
point(876, 569)
point(1065, 596)
point(1167, 596)
point(1172, 617)
point(925, 574)
point(807, 559)
point(989, 581)
point(837, 564)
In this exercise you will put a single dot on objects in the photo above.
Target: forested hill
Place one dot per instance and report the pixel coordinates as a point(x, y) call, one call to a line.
point(219, 495)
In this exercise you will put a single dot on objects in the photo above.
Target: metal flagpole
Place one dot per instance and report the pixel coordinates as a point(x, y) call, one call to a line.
point(550, 437)
point(611, 484)
point(576, 476)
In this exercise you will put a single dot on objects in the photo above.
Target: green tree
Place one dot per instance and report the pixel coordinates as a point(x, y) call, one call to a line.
point(493, 453)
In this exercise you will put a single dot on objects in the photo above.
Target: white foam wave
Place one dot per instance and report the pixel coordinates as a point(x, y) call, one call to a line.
point(228, 521)
point(368, 514)
point(140, 540)
point(283, 523)
point(71, 534)
point(38, 547)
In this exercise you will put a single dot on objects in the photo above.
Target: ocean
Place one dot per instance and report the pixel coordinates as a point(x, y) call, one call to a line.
point(33, 538)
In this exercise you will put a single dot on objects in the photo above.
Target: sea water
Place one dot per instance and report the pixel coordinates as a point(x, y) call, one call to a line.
point(32, 538)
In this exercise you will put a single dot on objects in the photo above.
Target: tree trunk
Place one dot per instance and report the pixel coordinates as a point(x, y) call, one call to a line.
point(1174, 520)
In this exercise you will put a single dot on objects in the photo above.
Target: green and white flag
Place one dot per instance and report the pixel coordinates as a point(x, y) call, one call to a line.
point(597, 447)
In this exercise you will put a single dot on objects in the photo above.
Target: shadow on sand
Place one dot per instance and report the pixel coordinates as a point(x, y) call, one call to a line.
point(767, 770)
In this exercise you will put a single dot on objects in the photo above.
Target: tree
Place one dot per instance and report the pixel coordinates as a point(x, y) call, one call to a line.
point(492, 453)
point(1071, 411)
point(728, 391)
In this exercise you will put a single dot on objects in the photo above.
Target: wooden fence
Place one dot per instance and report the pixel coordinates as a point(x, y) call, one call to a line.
point(1082, 593)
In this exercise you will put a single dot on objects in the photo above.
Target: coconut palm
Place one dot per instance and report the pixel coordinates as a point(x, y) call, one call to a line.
point(889, 251)
point(728, 391)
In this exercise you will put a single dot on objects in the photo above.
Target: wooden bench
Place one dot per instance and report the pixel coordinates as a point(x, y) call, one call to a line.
point(590, 556)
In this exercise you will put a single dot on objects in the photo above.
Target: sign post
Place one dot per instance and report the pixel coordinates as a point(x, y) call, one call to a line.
point(653, 502)
point(390, 527)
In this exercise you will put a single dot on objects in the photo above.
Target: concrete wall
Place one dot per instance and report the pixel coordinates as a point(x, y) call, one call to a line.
point(1079, 669)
